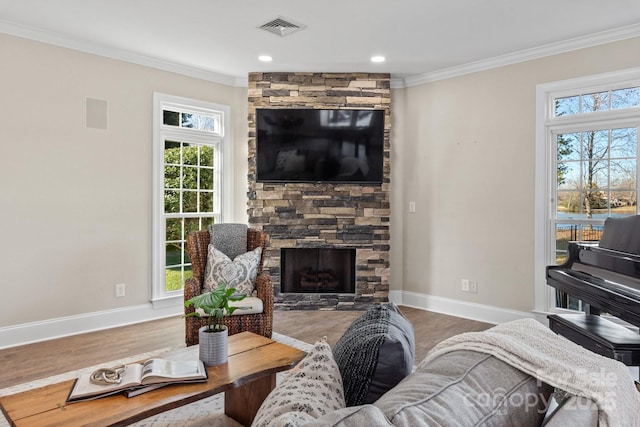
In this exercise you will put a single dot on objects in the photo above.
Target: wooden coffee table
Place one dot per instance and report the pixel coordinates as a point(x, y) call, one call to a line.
point(247, 378)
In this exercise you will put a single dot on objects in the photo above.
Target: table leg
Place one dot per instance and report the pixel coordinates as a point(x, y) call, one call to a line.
point(242, 403)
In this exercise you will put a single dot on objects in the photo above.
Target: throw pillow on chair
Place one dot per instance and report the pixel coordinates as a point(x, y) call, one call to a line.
point(239, 274)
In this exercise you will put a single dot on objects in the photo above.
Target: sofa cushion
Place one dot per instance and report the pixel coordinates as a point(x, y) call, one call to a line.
point(312, 389)
point(249, 305)
point(466, 388)
point(375, 353)
point(239, 274)
point(354, 416)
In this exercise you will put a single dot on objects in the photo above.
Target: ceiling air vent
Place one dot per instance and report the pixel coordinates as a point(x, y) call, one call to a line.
point(282, 27)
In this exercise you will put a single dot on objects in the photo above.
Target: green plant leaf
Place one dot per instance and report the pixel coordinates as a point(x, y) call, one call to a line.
point(215, 304)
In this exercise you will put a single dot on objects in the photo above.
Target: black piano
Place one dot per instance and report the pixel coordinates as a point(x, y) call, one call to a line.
point(605, 275)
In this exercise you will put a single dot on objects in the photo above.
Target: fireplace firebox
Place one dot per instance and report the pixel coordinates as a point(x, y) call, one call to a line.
point(318, 270)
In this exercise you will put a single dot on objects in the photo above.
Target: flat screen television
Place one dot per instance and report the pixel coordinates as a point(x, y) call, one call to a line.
point(319, 145)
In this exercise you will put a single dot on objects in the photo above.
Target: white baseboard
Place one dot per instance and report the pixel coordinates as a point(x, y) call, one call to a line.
point(28, 333)
point(464, 309)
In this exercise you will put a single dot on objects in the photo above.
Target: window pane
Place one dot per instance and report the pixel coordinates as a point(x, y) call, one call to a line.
point(623, 174)
point(625, 98)
point(189, 201)
point(174, 229)
point(173, 279)
point(171, 201)
point(191, 225)
point(568, 203)
point(187, 120)
point(206, 156)
point(206, 222)
point(569, 172)
point(565, 233)
point(591, 233)
point(566, 106)
point(623, 202)
point(208, 123)
point(171, 118)
point(172, 177)
point(595, 102)
point(568, 146)
point(190, 155)
point(173, 254)
point(172, 152)
point(595, 144)
point(190, 178)
point(206, 179)
point(597, 179)
point(624, 142)
point(206, 202)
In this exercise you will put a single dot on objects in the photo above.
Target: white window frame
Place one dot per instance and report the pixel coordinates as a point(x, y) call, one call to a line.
point(547, 127)
point(223, 179)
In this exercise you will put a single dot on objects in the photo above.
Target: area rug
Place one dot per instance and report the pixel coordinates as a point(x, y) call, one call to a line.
point(207, 411)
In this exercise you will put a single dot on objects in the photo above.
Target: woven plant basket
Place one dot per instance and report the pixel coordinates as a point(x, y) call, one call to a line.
point(213, 346)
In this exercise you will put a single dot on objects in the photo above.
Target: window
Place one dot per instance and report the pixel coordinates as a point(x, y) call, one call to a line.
point(587, 167)
point(191, 168)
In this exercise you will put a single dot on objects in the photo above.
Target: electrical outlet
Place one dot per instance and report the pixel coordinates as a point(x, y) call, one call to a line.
point(465, 285)
point(119, 290)
point(412, 207)
point(473, 287)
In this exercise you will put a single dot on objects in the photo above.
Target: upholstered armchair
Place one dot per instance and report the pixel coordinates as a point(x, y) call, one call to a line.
point(197, 245)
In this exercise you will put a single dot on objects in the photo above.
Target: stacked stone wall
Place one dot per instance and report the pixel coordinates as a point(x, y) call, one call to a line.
point(324, 215)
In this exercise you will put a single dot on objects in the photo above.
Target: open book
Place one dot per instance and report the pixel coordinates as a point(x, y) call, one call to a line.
point(139, 376)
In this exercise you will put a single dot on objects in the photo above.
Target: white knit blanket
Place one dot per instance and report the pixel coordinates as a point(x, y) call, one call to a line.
point(534, 349)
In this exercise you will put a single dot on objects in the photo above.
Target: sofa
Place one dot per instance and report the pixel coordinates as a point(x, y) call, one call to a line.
point(459, 383)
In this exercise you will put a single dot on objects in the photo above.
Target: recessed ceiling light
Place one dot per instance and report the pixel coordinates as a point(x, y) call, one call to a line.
point(265, 58)
point(378, 59)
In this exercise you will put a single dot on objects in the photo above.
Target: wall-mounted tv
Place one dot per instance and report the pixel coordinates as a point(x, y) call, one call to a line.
point(319, 145)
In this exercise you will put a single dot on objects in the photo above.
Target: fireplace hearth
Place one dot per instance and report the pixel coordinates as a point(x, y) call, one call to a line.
point(318, 270)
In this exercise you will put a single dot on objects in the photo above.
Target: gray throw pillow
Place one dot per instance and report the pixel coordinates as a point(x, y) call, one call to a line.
point(239, 274)
point(374, 354)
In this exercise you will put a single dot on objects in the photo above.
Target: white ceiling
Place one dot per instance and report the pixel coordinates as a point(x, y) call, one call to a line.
point(220, 40)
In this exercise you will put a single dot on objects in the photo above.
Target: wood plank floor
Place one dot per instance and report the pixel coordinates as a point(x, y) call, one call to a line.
point(40, 360)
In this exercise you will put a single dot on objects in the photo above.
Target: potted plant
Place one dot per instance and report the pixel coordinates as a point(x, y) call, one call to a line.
point(213, 306)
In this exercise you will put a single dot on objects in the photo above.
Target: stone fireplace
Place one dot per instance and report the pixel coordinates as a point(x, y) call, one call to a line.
point(318, 217)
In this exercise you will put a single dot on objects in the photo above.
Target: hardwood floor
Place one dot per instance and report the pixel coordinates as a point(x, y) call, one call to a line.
point(34, 361)
point(430, 328)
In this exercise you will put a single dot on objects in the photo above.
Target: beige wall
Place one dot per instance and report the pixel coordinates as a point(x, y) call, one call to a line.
point(76, 202)
point(465, 155)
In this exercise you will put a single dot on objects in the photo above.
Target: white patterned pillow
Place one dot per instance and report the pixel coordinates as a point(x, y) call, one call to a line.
point(239, 274)
point(311, 390)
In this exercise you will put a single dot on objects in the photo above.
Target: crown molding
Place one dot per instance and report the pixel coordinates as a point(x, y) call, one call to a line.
point(591, 40)
point(60, 40)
